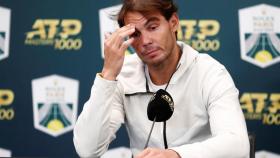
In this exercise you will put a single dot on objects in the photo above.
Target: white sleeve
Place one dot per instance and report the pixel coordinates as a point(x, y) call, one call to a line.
point(101, 117)
point(229, 133)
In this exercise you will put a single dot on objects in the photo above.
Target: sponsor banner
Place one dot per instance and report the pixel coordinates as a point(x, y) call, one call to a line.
point(55, 104)
point(62, 34)
point(5, 18)
point(259, 28)
point(262, 107)
point(7, 112)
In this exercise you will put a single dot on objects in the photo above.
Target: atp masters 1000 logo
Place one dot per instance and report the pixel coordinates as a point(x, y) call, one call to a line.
point(261, 106)
point(5, 15)
point(6, 110)
point(55, 104)
point(260, 34)
point(61, 34)
point(200, 34)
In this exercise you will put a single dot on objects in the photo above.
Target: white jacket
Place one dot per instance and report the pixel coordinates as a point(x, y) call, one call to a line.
point(207, 121)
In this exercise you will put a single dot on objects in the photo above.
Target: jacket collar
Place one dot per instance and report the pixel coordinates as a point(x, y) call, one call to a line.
point(132, 77)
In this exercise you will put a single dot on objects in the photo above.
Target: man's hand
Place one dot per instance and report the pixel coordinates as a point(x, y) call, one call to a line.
point(114, 51)
point(158, 153)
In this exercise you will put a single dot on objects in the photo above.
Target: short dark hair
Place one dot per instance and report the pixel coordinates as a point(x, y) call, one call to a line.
point(165, 7)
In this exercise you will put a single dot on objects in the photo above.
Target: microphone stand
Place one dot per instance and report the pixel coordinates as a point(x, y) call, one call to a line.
point(164, 134)
point(147, 142)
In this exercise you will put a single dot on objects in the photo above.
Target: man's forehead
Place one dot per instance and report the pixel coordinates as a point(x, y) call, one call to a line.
point(138, 18)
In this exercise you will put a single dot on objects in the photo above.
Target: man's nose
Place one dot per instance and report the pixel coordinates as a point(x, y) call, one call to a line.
point(146, 39)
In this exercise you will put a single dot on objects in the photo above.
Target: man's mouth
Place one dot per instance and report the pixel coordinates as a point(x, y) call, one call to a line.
point(150, 52)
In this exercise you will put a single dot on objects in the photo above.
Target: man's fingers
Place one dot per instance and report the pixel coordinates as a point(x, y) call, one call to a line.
point(124, 28)
point(143, 153)
point(120, 38)
point(116, 42)
point(126, 44)
point(127, 31)
point(107, 35)
point(123, 31)
point(120, 31)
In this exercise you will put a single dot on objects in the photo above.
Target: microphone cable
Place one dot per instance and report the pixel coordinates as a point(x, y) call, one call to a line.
point(164, 135)
point(164, 123)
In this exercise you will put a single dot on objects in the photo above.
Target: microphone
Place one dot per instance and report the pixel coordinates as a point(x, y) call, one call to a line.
point(160, 108)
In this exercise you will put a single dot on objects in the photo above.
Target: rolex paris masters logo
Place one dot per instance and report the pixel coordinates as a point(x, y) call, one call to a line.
point(55, 104)
point(5, 15)
point(260, 34)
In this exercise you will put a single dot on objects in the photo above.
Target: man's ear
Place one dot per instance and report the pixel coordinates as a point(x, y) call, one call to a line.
point(174, 22)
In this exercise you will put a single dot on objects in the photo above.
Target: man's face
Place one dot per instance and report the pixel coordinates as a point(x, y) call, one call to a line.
point(155, 38)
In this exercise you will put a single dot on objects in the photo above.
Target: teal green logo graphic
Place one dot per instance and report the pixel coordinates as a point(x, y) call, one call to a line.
point(262, 47)
point(2, 42)
point(5, 17)
point(55, 119)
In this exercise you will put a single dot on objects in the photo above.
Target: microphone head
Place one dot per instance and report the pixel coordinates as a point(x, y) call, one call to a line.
point(160, 106)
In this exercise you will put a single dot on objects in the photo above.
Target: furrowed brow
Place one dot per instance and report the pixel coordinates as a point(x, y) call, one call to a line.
point(150, 20)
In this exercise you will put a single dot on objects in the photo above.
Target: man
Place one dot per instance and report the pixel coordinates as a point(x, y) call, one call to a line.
point(207, 121)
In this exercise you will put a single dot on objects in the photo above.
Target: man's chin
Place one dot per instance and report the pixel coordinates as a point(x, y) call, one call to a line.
point(153, 61)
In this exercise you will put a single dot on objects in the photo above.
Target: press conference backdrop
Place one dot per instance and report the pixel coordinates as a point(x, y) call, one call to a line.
point(51, 50)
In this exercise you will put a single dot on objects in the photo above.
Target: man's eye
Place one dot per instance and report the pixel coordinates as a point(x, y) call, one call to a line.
point(153, 27)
